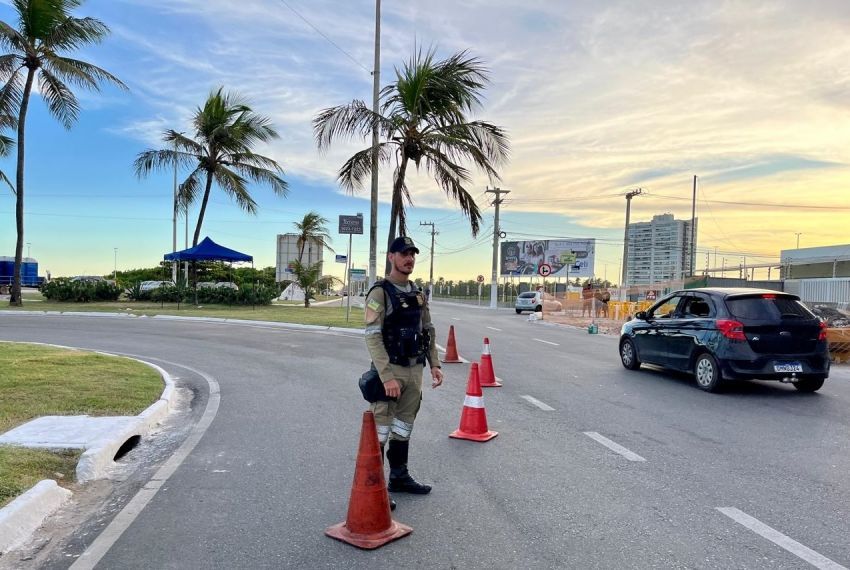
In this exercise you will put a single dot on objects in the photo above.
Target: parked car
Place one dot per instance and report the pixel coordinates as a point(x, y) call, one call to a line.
point(536, 301)
point(728, 333)
point(219, 285)
point(151, 285)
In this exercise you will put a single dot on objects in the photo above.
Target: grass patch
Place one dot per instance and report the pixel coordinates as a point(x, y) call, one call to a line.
point(332, 316)
point(21, 468)
point(45, 381)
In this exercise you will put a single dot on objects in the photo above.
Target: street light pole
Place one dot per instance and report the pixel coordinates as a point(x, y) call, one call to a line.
point(629, 195)
point(373, 208)
point(798, 234)
point(28, 248)
point(115, 266)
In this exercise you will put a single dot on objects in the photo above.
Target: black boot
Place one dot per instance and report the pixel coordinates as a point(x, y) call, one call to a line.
point(392, 502)
point(400, 479)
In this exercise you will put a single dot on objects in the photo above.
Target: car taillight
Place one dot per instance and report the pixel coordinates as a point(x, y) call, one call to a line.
point(822, 335)
point(731, 329)
point(768, 296)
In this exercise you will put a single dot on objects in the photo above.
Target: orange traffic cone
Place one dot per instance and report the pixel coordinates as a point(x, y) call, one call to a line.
point(369, 523)
point(473, 418)
point(488, 377)
point(451, 348)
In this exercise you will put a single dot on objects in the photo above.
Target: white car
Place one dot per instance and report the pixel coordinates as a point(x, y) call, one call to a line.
point(536, 301)
point(219, 285)
point(145, 286)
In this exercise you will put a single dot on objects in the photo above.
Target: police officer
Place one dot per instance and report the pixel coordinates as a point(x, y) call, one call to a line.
point(400, 338)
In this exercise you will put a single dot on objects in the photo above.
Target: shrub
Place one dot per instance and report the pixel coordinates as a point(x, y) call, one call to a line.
point(80, 291)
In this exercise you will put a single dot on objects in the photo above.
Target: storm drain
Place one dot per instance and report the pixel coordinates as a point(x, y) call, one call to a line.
point(126, 447)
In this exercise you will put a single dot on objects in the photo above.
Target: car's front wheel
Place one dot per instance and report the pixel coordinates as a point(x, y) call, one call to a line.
point(809, 384)
point(707, 373)
point(628, 354)
point(518, 311)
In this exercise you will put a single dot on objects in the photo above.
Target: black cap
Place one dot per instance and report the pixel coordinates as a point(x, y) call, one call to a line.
point(403, 243)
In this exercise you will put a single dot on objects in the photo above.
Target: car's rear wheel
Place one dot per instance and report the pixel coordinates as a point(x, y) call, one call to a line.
point(518, 311)
point(809, 384)
point(707, 373)
point(538, 309)
point(628, 355)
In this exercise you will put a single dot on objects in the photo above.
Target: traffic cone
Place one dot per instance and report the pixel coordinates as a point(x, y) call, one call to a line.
point(451, 348)
point(488, 377)
point(473, 418)
point(368, 523)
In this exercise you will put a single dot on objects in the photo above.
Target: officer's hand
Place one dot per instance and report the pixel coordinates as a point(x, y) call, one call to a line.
point(392, 388)
point(436, 377)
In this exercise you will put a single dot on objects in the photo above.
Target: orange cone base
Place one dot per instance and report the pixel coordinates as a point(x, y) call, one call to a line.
point(452, 361)
point(486, 436)
point(495, 384)
point(368, 541)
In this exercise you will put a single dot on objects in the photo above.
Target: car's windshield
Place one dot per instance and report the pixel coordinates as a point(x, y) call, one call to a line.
point(767, 308)
point(529, 295)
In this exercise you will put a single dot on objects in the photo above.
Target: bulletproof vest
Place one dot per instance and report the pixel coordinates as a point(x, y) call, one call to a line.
point(402, 332)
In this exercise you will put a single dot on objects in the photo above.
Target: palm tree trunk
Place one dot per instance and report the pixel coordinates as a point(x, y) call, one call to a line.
point(203, 209)
point(16, 299)
point(396, 207)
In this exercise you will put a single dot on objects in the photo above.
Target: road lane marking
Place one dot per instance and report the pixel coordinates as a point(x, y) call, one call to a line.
point(443, 349)
point(615, 447)
point(538, 403)
point(546, 341)
point(494, 329)
point(122, 521)
point(455, 319)
point(779, 539)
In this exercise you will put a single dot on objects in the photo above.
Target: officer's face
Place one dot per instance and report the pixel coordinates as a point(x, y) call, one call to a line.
point(404, 261)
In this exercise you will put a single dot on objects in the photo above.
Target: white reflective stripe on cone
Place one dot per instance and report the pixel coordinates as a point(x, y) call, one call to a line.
point(473, 401)
point(486, 349)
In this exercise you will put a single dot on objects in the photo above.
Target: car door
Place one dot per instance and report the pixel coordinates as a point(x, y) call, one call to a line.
point(651, 334)
point(687, 329)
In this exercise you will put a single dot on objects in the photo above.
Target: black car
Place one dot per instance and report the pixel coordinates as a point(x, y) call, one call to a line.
point(725, 333)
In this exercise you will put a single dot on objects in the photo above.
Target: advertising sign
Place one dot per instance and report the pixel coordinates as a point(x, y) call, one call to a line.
point(351, 224)
point(566, 257)
point(341, 258)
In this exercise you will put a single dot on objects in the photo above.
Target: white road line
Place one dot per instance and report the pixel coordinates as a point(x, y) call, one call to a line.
point(615, 447)
point(538, 403)
point(494, 329)
point(122, 521)
point(455, 319)
point(546, 341)
point(443, 350)
point(779, 539)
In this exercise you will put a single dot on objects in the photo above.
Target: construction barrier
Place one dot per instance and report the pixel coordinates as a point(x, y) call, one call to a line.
point(839, 344)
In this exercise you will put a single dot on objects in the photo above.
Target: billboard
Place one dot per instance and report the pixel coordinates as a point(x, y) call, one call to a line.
point(287, 253)
point(566, 257)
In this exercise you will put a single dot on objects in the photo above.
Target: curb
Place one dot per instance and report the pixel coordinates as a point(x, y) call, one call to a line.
point(20, 518)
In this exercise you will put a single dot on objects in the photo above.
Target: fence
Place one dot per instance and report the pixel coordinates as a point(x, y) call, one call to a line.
point(835, 290)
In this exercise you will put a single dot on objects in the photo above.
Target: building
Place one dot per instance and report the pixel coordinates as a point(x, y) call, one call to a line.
point(815, 262)
point(287, 252)
point(659, 250)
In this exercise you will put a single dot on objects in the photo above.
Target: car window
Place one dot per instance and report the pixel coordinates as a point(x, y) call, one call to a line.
point(767, 308)
point(529, 295)
point(666, 309)
point(697, 308)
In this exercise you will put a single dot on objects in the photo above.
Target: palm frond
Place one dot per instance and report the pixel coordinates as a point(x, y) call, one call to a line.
point(357, 168)
point(74, 33)
point(190, 188)
point(262, 176)
point(450, 178)
point(60, 100)
point(6, 145)
point(9, 63)
point(11, 39)
point(151, 160)
point(347, 121)
point(234, 186)
point(79, 72)
point(11, 95)
point(184, 143)
point(7, 182)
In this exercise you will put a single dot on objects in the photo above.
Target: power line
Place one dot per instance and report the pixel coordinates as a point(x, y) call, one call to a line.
point(756, 204)
point(318, 31)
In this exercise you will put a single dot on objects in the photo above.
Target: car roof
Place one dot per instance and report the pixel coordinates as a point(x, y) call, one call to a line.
point(737, 291)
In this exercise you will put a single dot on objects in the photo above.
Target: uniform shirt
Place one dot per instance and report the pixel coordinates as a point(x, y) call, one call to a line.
point(376, 310)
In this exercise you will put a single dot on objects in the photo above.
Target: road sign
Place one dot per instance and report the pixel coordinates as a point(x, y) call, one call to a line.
point(568, 258)
point(358, 274)
point(544, 270)
point(650, 295)
point(351, 224)
point(480, 279)
point(341, 258)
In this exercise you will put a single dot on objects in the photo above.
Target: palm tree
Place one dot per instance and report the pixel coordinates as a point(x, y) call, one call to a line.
point(226, 129)
point(311, 227)
point(6, 144)
point(423, 118)
point(45, 29)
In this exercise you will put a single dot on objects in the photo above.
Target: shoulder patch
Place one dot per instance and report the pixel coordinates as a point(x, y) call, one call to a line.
point(373, 304)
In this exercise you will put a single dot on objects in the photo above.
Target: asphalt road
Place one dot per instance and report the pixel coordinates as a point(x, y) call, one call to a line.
point(274, 467)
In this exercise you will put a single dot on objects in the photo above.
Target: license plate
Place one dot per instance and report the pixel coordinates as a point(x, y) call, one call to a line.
point(789, 367)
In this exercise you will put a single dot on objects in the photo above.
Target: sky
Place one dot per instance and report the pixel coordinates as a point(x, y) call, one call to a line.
point(598, 98)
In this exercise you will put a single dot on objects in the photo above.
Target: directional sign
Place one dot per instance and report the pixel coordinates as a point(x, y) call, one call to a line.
point(568, 258)
point(351, 224)
point(481, 279)
point(544, 270)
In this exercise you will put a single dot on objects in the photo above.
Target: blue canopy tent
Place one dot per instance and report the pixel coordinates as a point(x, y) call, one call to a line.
point(208, 250)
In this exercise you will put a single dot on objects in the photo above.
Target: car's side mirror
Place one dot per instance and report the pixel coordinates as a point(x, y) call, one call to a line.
point(641, 315)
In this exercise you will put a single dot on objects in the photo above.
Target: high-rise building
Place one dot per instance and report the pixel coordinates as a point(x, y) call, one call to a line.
point(659, 250)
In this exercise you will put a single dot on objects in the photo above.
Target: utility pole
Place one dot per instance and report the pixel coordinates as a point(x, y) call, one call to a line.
point(629, 195)
point(494, 285)
point(798, 234)
point(174, 219)
point(373, 208)
point(431, 272)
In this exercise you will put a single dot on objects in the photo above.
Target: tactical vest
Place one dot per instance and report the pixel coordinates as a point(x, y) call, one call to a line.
point(402, 332)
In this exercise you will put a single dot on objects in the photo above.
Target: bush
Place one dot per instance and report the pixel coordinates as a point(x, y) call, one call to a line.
point(259, 295)
point(80, 291)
